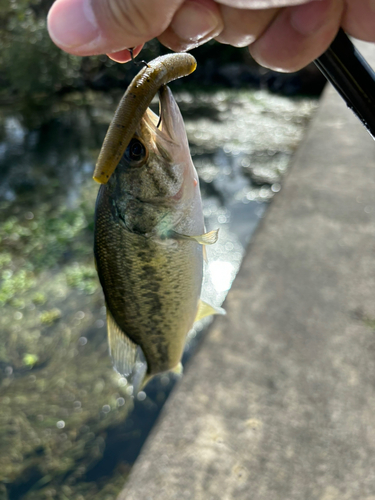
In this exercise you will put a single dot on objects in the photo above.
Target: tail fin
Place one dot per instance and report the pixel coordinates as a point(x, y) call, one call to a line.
point(141, 378)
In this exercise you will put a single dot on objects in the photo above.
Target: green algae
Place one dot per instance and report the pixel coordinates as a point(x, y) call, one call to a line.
point(39, 298)
point(49, 317)
point(30, 360)
point(82, 277)
point(44, 240)
point(13, 284)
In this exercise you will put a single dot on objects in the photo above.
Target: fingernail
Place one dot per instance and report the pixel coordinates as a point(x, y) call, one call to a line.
point(194, 24)
point(308, 18)
point(72, 25)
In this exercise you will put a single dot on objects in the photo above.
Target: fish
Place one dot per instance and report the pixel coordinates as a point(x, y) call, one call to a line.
point(149, 247)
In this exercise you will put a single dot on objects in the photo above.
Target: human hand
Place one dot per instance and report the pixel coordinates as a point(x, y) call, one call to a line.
point(284, 35)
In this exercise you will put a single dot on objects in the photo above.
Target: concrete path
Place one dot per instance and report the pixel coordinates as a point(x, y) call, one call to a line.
point(279, 402)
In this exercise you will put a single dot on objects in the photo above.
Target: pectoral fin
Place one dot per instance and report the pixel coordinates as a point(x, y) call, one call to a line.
point(205, 309)
point(121, 348)
point(203, 239)
point(207, 238)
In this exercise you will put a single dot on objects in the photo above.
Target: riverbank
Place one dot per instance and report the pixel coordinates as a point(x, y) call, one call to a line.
point(279, 401)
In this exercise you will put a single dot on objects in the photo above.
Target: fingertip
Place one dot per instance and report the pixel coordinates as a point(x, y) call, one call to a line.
point(88, 27)
point(124, 56)
point(359, 18)
point(73, 27)
point(195, 22)
point(243, 26)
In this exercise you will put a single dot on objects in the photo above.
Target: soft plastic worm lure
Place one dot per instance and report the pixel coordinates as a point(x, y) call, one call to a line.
point(134, 104)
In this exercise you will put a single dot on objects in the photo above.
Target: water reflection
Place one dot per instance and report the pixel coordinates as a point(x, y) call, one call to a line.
point(69, 427)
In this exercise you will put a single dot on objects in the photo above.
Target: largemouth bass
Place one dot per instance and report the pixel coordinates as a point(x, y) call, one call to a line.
point(149, 240)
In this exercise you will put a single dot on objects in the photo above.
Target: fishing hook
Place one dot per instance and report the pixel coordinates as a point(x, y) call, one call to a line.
point(137, 63)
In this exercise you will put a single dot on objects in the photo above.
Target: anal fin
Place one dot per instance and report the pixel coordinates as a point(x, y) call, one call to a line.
point(205, 309)
point(140, 377)
point(121, 348)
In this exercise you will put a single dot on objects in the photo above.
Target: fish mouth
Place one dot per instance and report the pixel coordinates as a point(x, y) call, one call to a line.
point(165, 135)
point(169, 113)
point(169, 125)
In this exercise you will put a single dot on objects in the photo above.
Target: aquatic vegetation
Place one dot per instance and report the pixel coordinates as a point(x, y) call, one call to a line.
point(12, 284)
point(49, 317)
point(82, 277)
point(5, 259)
point(39, 298)
point(30, 360)
point(52, 418)
point(43, 240)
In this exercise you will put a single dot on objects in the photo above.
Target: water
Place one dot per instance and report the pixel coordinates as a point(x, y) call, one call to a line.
point(69, 426)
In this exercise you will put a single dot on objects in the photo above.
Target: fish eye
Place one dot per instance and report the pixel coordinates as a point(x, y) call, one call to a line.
point(136, 153)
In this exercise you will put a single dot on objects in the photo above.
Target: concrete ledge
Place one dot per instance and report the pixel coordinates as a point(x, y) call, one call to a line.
point(279, 402)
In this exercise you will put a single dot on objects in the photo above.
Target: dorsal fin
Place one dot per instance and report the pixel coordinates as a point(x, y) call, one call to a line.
point(205, 309)
point(121, 348)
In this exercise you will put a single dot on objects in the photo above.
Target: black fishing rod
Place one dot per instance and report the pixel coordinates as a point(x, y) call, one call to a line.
point(353, 78)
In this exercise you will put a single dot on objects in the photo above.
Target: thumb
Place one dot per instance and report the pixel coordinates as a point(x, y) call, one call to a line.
point(87, 27)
